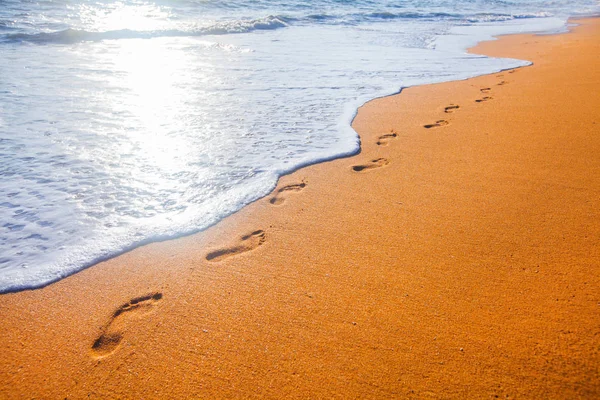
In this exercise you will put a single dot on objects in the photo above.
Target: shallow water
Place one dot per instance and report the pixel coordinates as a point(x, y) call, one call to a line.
point(127, 122)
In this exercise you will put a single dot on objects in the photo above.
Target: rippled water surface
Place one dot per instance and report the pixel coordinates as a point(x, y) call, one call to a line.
point(127, 121)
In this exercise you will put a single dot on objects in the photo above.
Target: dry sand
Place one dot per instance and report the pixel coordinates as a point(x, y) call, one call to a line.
point(456, 261)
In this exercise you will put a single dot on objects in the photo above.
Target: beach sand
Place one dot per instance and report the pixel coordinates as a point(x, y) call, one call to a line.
point(457, 256)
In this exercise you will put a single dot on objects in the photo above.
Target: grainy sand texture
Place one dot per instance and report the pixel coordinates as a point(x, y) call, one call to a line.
point(457, 256)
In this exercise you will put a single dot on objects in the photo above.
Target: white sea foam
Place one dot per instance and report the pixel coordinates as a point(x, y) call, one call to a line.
point(114, 135)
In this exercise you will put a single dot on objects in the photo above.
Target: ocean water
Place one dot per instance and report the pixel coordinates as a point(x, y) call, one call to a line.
point(124, 122)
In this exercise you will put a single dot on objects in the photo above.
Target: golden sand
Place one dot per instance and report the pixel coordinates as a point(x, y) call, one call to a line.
point(458, 256)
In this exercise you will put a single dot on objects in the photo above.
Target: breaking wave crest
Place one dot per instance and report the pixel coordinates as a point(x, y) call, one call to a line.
point(271, 22)
point(68, 36)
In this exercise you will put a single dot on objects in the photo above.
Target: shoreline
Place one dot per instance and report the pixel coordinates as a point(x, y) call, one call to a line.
point(323, 289)
point(353, 107)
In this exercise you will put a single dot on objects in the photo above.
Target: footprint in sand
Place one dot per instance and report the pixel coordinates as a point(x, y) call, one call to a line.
point(279, 197)
point(247, 243)
point(441, 122)
point(112, 333)
point(377, 163)
point(486, 98)
point(383, 140)
point(485, 90)
point(451, 108)
point(502, 83)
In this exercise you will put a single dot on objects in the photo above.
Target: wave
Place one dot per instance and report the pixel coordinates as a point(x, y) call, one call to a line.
point(68, 36)
point(382, 16)
point(438, 16)
point(6, 25)
point(491, 17)
point(271, 22)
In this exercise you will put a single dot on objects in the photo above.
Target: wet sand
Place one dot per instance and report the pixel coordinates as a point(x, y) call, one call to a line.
point(458, 256)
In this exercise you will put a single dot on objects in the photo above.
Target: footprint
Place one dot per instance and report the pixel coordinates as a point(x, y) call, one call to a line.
point(383, 140)
point(451, 108)
point(378, 162)
point(502, 83)
point(512, 71)
point(485, 90)
point(248, 242)
point(112, 333)
point(486, 98)
point(441, 122)
point(279, 197)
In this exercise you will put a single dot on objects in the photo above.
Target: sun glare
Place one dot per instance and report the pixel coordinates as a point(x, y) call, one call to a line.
point(119, 16)
point(153, 75)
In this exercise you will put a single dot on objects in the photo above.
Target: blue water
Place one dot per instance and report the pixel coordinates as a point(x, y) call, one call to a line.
point(123, 122)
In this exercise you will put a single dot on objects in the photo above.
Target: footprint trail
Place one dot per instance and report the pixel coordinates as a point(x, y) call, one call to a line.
point(377, 163)
point(441, 122)
point(112, 333)
point(280, 196)
point(384, 140)
point(247, 243)
point(451, 108)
